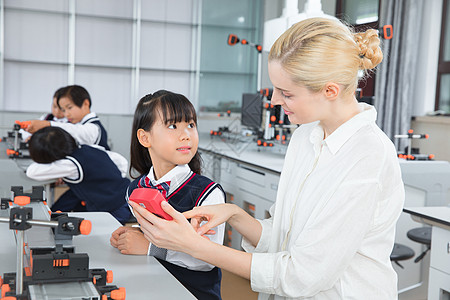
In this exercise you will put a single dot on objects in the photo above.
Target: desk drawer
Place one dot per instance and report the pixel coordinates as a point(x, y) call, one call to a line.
point(440, 249)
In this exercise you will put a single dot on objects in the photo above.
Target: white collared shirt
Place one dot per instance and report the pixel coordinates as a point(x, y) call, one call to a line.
point(345, 194)
point(177, 176)
point(66, 168)
point(85, 134)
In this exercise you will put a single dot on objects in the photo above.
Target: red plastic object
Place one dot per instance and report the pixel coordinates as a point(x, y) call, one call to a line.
point(150, 199)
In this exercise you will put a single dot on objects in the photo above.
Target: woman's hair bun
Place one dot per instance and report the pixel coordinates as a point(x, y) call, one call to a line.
point(369, 48)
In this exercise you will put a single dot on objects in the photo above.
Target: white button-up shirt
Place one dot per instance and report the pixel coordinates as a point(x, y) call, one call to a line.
point(85, 134)
point(333, 224)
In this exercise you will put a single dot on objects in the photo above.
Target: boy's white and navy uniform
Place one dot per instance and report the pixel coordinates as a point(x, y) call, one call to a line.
point(184, 190)
point(95, 176)
point(89, 131)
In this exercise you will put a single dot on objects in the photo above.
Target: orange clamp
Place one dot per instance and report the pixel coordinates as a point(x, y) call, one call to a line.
point(21, 200)
point(232, 40)
point(387, 32)
point(23, 124)
point(85, 227)
point(11, 152)
point(5, 289)
point(119, 294)
point(109, 276)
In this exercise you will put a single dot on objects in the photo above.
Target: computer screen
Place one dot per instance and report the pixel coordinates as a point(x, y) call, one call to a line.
point(251, 112)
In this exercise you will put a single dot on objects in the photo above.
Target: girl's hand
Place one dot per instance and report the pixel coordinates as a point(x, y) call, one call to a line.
point(176, 234)
point(213, 215)
point(129, 240)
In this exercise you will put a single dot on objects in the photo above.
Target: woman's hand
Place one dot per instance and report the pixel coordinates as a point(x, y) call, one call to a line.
point(213, 215)
point(129, 240)
point(176, 234)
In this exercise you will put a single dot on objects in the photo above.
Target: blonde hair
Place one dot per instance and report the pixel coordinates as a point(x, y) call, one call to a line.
point(318, 50)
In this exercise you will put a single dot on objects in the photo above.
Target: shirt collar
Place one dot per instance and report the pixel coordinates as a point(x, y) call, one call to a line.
point(88, 116)
point(344, 132)
point(176, 176)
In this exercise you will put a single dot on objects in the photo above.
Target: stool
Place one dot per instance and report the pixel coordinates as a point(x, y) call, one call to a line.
point(421, 235)
point(401, 252)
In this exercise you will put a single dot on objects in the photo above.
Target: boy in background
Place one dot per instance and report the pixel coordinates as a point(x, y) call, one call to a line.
point(84, 125)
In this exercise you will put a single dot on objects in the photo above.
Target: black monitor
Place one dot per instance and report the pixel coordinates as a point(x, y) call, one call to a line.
point(251, 112)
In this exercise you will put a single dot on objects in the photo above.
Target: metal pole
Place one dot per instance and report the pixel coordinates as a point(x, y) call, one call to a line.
point(259, 72)
point(35, 222)
point(19, 263)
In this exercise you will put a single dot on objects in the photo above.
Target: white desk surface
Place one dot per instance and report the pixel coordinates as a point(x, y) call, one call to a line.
point(142, 276)
point(432, 215)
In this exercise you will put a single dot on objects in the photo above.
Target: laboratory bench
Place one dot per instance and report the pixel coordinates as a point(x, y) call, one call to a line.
point(142, 276)
point(439, 272)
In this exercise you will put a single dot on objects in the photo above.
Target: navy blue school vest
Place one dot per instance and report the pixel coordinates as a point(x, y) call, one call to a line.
point(100, 184)
point(103, 137)
point(202, 284)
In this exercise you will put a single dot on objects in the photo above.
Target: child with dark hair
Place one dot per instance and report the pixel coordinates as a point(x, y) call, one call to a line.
point(164, 146)
point(57, 114)
point(84, 125)
point(95, 176)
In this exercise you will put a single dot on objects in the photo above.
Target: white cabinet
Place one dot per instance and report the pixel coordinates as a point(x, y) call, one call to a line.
point(439, 280)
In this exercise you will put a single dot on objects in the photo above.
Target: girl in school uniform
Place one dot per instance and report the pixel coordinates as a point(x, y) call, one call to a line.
point(84, 125)
point(332, 227)
point(95, 176)
point(57, 114)
point(164, 146)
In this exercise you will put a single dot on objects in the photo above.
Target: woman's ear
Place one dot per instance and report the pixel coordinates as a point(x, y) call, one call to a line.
point(143, 137)
point(332, 90)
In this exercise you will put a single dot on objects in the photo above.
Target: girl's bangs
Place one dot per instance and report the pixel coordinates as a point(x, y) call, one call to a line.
point(177, 110)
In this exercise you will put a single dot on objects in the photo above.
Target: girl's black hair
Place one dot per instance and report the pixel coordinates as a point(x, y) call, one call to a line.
point(50, 144)
point(173, 108)
point(76, 93)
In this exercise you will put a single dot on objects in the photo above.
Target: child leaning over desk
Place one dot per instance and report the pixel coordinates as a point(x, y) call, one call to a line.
point(94, 175)
point(83, 125)
point(164, 146)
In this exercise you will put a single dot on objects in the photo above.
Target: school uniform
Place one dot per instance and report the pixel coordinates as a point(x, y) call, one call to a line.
point(332, 226)
point(89, 131)
point(184, 190)
point(95, 176)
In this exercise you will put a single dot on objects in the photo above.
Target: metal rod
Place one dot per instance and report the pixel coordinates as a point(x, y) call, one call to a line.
point(32, 222)
point(259, 77)
point(19, 263)
point(16, 140)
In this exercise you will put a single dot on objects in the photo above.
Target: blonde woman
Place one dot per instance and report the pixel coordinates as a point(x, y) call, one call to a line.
point(332, 227)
